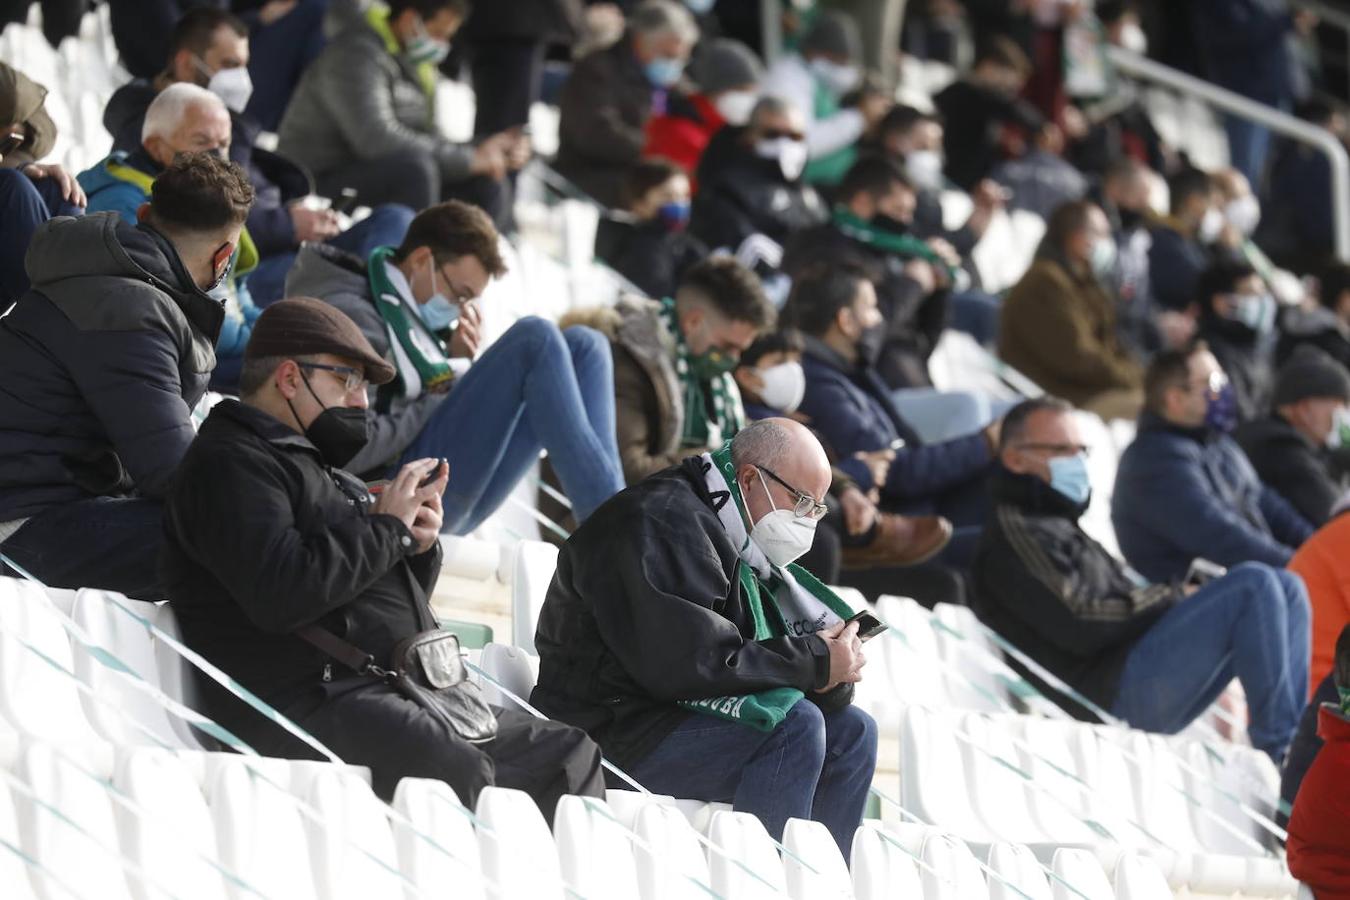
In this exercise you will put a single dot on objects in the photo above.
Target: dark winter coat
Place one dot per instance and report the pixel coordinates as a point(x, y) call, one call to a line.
point(1289, 464)
point(648, 254)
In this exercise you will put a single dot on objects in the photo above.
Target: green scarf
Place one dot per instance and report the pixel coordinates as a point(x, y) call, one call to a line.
point(865, 232)
point(419, 356)
point(377, 17)
point(1344, 694)
point(831, 168)
point(764, 710)
point(703, 427)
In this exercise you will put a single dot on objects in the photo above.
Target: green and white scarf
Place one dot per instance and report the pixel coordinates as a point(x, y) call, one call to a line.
point(797, 604)
point(419, 356)
point(703, 427)
point(865, 232)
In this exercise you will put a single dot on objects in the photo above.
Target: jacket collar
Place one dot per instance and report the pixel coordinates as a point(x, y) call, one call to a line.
point(1032, 495)
point(817, 349)
point(1151, 421)
point(1332, 727)
point(264, 425)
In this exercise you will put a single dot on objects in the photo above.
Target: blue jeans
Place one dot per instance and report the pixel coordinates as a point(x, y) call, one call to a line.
point(385, 226)
point(24, 205)
point(536, 387)
point(1248, 144)
point(812, 766)
point(1253, 624)
point(105, 542)
point(280, 54)
point(977, 314)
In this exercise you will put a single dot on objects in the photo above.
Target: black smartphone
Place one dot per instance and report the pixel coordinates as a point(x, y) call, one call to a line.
point(869, 626)
point(1202, 572)
point(344, 202)
point(435, 473)
point(9, 143)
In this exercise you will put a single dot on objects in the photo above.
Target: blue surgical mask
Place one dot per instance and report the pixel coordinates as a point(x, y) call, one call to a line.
point(423, 48)
point(664, 71)
point(1069, 476)
point(438, 313)
point(675, 216)
point(1221, 412)
point(1256, 311)
point(700, 7)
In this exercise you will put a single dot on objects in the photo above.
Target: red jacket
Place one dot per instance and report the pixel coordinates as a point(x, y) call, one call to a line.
point(681, 133)
point(1319, 828)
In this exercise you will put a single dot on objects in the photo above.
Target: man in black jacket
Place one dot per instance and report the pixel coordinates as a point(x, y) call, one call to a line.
point(1155, 655)
point(102, 362)
point(267, 534)
point(666, 626)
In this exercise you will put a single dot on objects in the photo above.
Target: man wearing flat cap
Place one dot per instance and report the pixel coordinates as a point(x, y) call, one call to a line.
point(266, 536)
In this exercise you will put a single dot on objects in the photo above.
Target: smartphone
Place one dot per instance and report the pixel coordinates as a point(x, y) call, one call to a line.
point(435, 473)
point(344, 202)
point(1202, 572)
point(869, 626)
point(10, 142)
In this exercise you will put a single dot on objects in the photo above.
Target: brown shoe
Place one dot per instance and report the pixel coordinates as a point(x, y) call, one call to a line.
point(901, 541)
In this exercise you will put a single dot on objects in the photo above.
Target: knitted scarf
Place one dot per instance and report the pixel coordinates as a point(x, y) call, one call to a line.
point(783, 601)
point(865, 232)
point(419, 356)
point(703, 427)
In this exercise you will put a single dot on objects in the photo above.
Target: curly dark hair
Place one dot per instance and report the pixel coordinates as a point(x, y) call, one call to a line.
point(200, 192)
point(730, 288)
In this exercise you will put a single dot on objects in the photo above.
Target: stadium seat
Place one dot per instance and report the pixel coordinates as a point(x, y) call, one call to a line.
point(69, 831)
point(912, 656)
point(176, 676)
point(949, 870)
point(351, 843)
point(595, 850)
point(532, 573)
point(1078, 876)
point(964, 648)
point(812, 865)
point(1138, 878)
point(171, 837)
point(1022, 877)
point(14, 870)
point(261, 835)
point(437, 845)
point(933, 775)
point(1000, 796)
point(744, 863)
point(519, 857)
point(672, 865)
point(512, 667)
point(1220, 784)
point(1061, 804)
point(882, 868)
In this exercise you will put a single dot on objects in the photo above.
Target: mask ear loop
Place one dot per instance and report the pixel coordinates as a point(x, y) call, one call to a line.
point(301, 369)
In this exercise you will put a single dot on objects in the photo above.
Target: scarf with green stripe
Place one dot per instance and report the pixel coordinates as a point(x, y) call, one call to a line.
point(419, 356)
point(907, 245)
point(783, 601)
point(377, 17)
point(703, 426)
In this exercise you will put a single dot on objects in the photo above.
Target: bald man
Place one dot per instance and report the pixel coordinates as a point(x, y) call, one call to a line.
point(679, 635)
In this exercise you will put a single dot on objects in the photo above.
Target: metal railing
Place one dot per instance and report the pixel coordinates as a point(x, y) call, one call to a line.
point(1143, 69)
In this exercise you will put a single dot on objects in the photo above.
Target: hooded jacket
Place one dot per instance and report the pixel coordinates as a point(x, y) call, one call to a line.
point(1057, 594)
point(102, 362)
point(1183, 493)
point(1291, 466)
point(340, 279)
point(645, 610)
point(22, 101)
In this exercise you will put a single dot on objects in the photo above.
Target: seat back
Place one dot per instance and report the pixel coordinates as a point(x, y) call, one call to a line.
point(745, 865)
point(950, 871)
point(1061, 803)
point(177, 677)
point(531, 576)
point(261, 833)
point(933, 782)
point(595, 851)
point(518, 855)
point(1139, 878)
point(1022, 876)
point(14, 871)
point(512, 667)
point(999, 795)
point(963, 645)
point(912, 655)
point(882, 869)
point(672, 865)
point(352, 846)
point(434, 814)
point(1078, 875)
point(813, 865)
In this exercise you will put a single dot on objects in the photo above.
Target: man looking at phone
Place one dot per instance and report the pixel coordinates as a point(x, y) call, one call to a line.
point(679, 635)
point(1155, 655)
point(266, 533)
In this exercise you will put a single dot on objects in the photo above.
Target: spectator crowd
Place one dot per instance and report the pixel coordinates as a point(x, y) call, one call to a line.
point(282, 220)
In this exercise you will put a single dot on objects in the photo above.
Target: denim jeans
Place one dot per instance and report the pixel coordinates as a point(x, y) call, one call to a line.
point(977, 314)
point(104, 542)
point(536, 387)
point(280, 53)
point(812, 766)
point(385, 226)
point(1253, 624)
point(24, 205)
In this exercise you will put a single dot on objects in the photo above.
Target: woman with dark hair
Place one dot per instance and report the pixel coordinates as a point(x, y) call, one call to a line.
point(1059, 321)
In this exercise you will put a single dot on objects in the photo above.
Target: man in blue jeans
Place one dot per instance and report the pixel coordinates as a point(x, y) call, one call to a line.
point(678, 634)
point(535, 388)
point(1156, 655)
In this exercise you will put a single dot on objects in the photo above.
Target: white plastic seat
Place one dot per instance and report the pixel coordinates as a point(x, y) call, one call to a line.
point(911, 648)
point(595, 851)
point(512, 667)
point(933, 775)
point(173, 841)
point(672, 865)
point(531, 576)
point(352, 845)
point(700, 812)
point(626, 804)
point(1022, 876)
point(76, 845)
point(745, 864)
point(1000, 797)
point(1139, 878)
point(813, 866)
point(1160, 796)
point(519, 858)
point(433, 813)
point(882, 869)
point(1061, 804)
point(177, 677)
point(133, 718)
point(1218, 785)
point(965, 649)
point(1078, 876)
point(14, 871)
point(261, 835)
point(950, 871)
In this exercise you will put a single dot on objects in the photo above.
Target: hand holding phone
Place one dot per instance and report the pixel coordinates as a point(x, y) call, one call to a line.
point(869, 626)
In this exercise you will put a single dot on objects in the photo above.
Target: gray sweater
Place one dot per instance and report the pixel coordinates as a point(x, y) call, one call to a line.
point(358, 101)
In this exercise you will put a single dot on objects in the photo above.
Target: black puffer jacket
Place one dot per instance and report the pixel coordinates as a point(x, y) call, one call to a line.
point(261, 537)
point(101, 363)
point(1290, 465)
point(645, 609)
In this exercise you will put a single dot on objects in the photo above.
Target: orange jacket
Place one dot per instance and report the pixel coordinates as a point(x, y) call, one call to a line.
point(1324, 564)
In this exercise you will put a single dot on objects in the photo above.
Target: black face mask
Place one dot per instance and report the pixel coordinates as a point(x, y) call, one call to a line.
point(886, 223)
point(338, 432)
point(1130, 219)
point(870, 343)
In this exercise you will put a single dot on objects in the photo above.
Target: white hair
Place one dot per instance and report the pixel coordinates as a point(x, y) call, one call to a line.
point(664, 17)
point(169, 109)
point(762, 443)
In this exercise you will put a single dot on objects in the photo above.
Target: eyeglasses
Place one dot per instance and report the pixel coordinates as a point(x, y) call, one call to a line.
point(353, 379)
point(807, 507)
point(1056, 449)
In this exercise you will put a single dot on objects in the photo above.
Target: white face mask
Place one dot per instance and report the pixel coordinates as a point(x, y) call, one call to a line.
point(1210, 226)
point(1243, 213)
point(1103, 259)
point(735, 106)
point(1133, 39)
point(838, 79)
point(784, 386)
point(790, 154)
point(782, 535)
point(925, 168)
point(233, 86)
